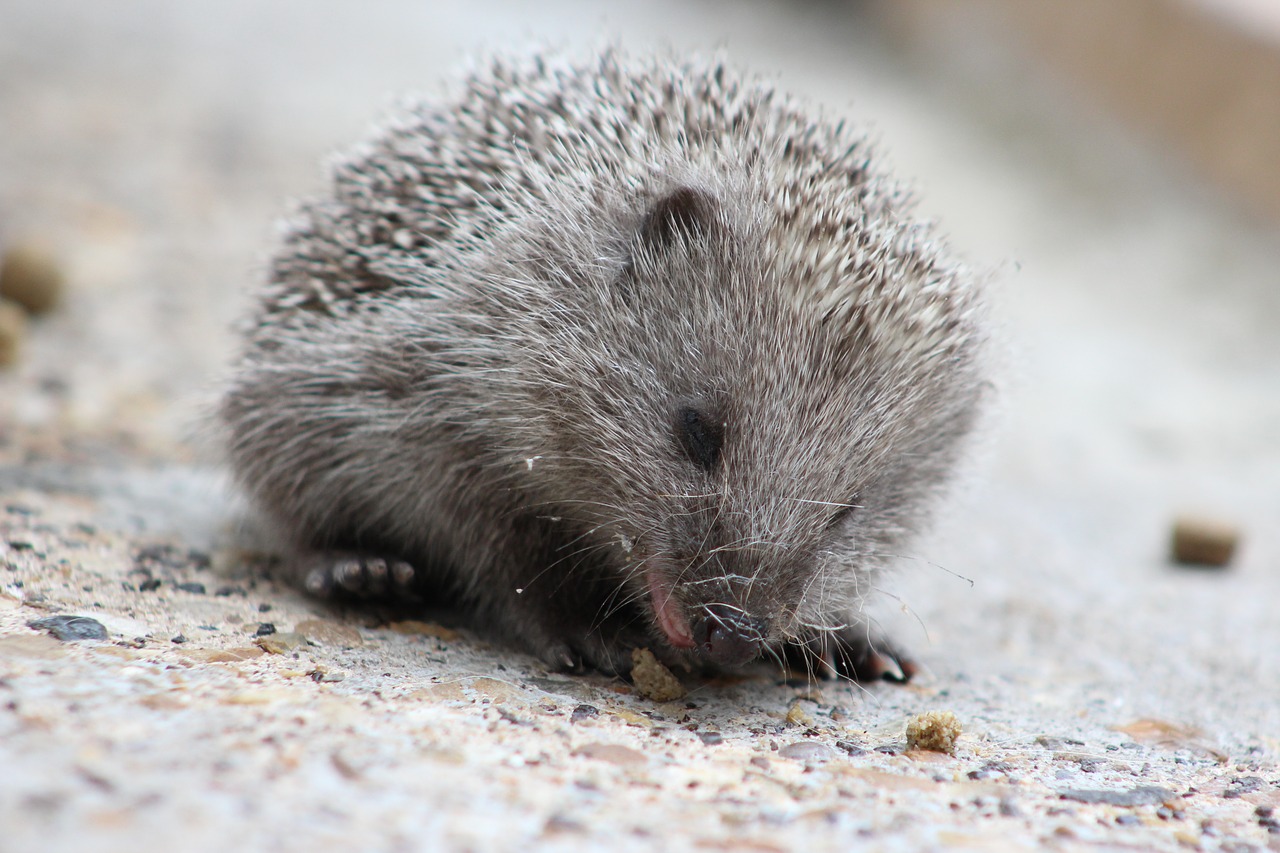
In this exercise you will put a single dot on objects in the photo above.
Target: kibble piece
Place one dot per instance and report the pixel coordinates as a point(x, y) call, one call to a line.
point(935, 731)
point(796, 716)
point(31, 277)
point(652, 679)
point(1204, 541)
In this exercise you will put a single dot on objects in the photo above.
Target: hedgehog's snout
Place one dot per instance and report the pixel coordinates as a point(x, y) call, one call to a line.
point(729, 637)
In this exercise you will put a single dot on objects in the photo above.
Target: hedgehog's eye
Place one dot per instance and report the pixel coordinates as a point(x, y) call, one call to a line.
point(683, 213)
point(700, 437)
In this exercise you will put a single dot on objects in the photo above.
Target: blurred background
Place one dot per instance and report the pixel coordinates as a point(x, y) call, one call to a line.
point(1115, 166)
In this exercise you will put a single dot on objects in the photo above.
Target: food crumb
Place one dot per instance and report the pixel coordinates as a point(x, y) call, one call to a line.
point(31, 277)
point(796, 716)
point(1204, 541)
point(653, 680)
point(935, 731)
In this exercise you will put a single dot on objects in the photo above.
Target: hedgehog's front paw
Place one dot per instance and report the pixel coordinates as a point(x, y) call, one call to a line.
point(584, 654)
point(330, 574)
point(855, 653)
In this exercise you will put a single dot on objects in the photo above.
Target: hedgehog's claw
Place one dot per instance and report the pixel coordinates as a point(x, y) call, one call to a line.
point(854, 654)
point(328, 574)
point(561, 658)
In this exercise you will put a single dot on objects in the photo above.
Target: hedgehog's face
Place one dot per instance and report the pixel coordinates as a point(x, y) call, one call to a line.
point(756, 460)
point(781, 506)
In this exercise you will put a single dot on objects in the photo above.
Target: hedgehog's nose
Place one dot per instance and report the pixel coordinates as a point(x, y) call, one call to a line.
point(729, 637)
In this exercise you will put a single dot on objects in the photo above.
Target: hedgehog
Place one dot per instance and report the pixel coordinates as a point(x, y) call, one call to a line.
point(606, 352)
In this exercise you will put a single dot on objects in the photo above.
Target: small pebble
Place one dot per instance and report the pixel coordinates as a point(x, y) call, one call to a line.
point(323, 675)
point(281, 644)
point(1243, 785)
point(807, 750)
point(1203, 541)
point(178, 638)
point(711, 738)
point(191, 587)
point(71, 628)
point(584, 712)
point(265, 629)
point(984, 773)
point(612, 753)
point(165, 555)
point(149, 585)
point(31, 277)
point(1145, 795)
point(561, 825)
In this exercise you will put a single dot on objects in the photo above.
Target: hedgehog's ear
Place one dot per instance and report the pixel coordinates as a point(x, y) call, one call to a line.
point(685, 211)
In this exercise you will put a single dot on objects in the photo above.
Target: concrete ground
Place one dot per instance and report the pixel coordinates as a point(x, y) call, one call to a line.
point(1109, 698)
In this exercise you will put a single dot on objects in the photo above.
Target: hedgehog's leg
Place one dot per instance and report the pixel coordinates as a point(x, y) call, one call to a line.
point(337, 574)
point(569, 631)
point(854, 652)
point(586, 653)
